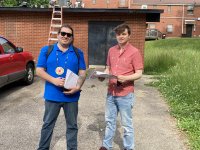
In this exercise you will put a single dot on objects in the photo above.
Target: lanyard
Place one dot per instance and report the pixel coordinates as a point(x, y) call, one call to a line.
point(60, 70)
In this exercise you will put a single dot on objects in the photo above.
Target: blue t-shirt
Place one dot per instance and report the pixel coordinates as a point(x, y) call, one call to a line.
point(66, 60)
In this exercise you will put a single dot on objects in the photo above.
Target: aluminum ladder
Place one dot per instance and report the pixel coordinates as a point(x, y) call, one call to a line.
point(56, 23)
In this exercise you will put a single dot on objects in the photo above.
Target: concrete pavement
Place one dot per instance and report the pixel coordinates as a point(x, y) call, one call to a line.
point(155, 129)
point(21, 113)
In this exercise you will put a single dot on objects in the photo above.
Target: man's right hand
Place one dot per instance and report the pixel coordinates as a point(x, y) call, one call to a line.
point(106, 71)
point(59, 81)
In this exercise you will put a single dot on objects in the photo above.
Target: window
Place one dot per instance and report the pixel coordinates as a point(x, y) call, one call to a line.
point(144, 6)
point(93, 1)
point(190, 9)
point(169, 28)
point(7, 47)
point(2, 41)
point(169, 8)
point(122, 2)
point(190, 12)
point(152, 26)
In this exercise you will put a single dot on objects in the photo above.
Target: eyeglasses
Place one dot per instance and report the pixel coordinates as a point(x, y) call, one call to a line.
point(65, 33)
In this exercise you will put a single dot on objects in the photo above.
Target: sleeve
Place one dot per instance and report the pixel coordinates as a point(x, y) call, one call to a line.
point(42, 58)
point(82, 64)
point(137, 61)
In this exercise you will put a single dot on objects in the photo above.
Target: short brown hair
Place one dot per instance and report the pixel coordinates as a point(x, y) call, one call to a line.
point(66, 26)
point(121, 28)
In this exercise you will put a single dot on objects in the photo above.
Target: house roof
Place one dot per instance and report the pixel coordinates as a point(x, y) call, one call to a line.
point(152, 15)
point(157, 2)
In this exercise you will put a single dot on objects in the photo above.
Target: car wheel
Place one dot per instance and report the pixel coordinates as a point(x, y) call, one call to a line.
point(29, 77)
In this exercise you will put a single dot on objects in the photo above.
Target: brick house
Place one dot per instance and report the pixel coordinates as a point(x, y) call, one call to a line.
point(29, 28)
point(181, 18)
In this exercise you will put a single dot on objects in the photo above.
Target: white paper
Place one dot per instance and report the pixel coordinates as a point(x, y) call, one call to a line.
point(97, 74)
point(71, 79)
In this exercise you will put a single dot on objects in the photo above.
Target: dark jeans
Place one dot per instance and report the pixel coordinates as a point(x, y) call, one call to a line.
point(52, 110)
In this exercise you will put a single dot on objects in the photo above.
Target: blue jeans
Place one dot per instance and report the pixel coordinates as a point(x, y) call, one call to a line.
point(52, 110)
point(122, 105)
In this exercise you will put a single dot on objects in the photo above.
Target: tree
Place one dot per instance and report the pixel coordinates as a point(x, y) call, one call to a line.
point(8, 3)
point(30, 3)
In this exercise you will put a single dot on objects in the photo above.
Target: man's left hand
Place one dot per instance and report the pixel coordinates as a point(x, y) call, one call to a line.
point(71, 91)
point(121, 78)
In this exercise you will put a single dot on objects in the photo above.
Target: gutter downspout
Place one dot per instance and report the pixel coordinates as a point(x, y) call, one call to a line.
point(183, 14)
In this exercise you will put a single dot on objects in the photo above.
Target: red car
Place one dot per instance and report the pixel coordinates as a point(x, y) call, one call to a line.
point(15, 64)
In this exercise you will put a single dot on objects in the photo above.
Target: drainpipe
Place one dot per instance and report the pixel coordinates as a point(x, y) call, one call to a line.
point(183, 14)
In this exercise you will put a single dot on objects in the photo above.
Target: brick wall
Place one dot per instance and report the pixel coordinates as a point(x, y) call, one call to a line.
point(30, 29)
point(27, 30)
point(175, 17)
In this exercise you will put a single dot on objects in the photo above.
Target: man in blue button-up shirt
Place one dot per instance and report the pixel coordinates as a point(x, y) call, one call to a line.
point(53, 69)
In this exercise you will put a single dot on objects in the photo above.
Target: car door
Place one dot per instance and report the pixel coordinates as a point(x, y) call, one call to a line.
point(11, 61)
point(3, 68)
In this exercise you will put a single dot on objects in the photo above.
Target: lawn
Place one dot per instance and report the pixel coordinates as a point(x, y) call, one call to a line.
point(176, 63)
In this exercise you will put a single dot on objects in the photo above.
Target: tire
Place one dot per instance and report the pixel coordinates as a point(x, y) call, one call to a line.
point(29, 77)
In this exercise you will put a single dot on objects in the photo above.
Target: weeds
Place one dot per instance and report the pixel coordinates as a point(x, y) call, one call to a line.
point(177, 62)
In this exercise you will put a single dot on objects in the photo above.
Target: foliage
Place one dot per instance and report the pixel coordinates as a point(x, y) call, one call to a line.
point(177, 63)
point(39, 2)
point(30, 3)
point(179, 80)
point(9, 3)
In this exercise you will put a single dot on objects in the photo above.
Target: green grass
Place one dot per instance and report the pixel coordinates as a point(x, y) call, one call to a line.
point(177, 62)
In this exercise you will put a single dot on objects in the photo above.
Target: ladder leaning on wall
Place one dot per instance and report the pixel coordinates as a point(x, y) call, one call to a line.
point(56, 23)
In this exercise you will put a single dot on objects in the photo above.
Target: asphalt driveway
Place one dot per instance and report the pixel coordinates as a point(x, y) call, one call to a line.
point(21, 113)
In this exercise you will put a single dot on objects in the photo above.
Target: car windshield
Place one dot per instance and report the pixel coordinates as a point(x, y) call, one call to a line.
point(7, 47)
point(2, 41)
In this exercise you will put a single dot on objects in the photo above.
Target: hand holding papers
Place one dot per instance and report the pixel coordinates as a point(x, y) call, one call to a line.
point(71, 80)
point(104, 75)
point(99, 74)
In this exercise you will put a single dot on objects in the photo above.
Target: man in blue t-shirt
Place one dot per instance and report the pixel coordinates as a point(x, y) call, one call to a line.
point(52, 68)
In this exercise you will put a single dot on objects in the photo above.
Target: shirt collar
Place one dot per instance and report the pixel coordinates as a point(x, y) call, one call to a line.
point(125, 47)
point(69, 49)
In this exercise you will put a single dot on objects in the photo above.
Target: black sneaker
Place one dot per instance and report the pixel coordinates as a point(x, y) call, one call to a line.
point(103, 148)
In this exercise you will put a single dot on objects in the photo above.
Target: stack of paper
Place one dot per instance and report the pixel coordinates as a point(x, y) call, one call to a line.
point(71, 80)
point(97, 74)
